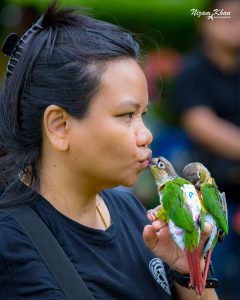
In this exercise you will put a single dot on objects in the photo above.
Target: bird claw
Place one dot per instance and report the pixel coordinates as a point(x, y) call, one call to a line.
point(151, 215)
point(190, 285)
point(221, 236)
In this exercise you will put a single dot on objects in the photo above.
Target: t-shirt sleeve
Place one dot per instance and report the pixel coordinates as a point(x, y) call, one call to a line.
point(7, 288)
point(190, 90)
point(23, 274)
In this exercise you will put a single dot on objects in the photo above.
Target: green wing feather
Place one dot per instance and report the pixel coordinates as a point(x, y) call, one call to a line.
point(181, 181)
point(173, 203)
point(213, 203)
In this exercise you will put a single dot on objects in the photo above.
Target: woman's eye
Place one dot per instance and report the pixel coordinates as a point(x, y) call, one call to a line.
point(128, 115)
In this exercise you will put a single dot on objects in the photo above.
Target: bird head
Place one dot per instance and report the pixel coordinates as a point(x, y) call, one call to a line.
point(162, 171)
point(196, 173)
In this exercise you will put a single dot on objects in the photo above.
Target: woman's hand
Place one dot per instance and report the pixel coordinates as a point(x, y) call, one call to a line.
point(158, 239)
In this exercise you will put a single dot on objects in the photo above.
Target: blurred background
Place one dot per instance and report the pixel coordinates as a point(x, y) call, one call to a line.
point(165, 30)
point(192, 66)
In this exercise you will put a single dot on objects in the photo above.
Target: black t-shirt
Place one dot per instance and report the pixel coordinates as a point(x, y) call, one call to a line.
point(202, 83)
point(114, 264)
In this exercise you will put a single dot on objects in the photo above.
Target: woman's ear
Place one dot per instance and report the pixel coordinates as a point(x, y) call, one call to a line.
point(56, 127)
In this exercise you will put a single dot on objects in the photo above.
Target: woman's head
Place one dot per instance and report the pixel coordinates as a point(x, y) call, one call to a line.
point(109, 146)
point(223, 31)
point(60, 61)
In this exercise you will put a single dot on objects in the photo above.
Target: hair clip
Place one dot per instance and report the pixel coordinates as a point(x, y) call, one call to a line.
point(10, 43)
point(14, 46)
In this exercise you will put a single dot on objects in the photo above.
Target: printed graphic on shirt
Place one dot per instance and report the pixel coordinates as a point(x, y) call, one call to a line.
point(157, 269)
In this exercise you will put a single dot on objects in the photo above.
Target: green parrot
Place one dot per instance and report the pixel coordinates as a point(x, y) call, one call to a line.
point(214, 206)
point(181, 208)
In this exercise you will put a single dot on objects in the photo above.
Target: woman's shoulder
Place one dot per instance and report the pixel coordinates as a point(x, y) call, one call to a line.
point(20, 261)
point(10, 231)
point(6, 220)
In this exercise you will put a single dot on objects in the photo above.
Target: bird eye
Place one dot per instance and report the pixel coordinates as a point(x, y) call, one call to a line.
point(161, 165)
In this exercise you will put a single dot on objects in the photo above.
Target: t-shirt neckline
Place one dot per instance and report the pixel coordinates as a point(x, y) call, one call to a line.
point(47, 211)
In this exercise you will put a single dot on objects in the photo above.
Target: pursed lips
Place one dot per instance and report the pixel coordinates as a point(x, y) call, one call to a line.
point(144, 162)
point(148, 156)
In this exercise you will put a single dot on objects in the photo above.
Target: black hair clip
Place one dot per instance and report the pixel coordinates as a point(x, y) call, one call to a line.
point(10, 43)
point(14, 46)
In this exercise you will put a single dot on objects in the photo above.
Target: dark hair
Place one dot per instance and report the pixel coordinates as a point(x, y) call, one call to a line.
point(59, 61)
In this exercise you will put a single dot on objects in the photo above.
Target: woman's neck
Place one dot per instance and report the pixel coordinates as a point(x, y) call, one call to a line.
point(91, 213)
point(77, 199)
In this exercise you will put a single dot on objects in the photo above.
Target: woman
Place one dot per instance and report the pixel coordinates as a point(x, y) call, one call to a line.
point(72, 127)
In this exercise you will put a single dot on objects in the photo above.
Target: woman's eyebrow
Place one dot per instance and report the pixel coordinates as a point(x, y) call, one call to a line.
point(131, 104)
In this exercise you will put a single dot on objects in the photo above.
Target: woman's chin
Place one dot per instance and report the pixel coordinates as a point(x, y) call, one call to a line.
point(130, 181)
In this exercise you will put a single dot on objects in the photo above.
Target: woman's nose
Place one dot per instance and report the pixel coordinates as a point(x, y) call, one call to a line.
point(143, 136)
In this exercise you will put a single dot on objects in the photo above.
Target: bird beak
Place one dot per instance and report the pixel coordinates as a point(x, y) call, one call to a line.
point(198, 184)
point(153, 162)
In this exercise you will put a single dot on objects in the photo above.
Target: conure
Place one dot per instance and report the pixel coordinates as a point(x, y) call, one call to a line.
point(214, 206)
point(181, 208)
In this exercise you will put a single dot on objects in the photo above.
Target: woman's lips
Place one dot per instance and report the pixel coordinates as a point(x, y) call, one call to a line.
point(144, 164)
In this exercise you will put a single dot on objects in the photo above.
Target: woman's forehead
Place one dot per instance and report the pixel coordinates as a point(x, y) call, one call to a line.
point(124, 84)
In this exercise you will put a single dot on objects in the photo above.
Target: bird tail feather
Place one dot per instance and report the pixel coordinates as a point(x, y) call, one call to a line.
point(196, 279)
point(207, 263)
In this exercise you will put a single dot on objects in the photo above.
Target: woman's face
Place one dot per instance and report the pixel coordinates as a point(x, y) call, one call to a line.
point(110, 145)
point(224, 31)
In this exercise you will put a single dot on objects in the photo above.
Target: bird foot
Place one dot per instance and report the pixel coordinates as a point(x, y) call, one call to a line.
point(151, 215)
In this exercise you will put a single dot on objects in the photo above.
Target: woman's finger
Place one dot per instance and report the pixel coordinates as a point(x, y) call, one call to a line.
point(152, 213)
point(152, 217)
point(150, 236)
point(205, 236)
point(159, 224)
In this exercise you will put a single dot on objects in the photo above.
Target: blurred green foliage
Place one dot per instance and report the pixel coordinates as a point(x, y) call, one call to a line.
point(157, 22)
